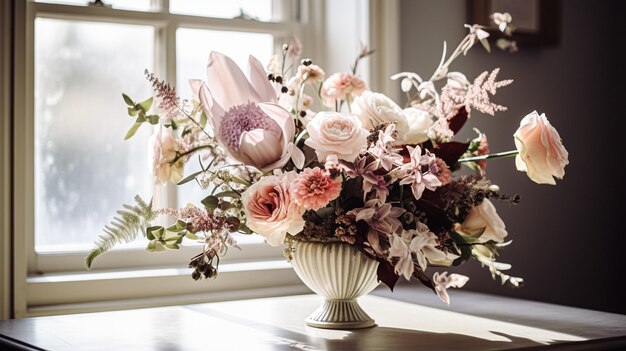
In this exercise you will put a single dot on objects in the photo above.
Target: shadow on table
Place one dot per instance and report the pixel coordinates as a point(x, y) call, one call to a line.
point(384, 338)
point(375, 338)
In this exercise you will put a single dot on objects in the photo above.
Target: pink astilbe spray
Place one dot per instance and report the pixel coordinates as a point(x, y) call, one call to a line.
point(477, 96)
point(315, 188)
point(165, 94)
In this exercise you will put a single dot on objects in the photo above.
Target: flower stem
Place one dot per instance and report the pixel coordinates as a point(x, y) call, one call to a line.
point(485, 157)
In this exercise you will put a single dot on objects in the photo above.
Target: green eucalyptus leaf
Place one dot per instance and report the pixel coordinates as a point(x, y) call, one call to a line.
point(228, 194)
point(153, 119)
point(156, 232)
point(128, 100)
point(155, 246)
point(239, 180)
point(203, 120)
point(190, 177)
point(210, 202)
point(244, 229)
point(145, 105)
point(191, 236)
point(172, 246)
point(133, 129)
point(132, 112)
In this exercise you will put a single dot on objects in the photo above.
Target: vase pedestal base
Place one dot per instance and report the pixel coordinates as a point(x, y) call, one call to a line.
point(340, 314)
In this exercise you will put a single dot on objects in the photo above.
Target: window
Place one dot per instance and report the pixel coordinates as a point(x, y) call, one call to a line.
point(71, 171)
point(74, 169)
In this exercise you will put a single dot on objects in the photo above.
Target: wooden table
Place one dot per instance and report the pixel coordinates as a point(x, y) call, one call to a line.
point(473, 322)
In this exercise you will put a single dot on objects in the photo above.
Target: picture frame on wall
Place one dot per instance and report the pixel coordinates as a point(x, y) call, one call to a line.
point(536, 22)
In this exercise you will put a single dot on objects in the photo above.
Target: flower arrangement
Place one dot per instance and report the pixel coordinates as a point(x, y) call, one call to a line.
point(344, 164)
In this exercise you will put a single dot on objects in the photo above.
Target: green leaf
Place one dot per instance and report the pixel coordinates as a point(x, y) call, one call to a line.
point(153, 119)
point(174, 125)
point(151, 230)
point(190, 178)
point(474, 235)
point(203, 120)
point(178, 226)
point(128, 100)
point(141, 118)
point(244, 229)
point(210, 202)
point(132, 112)
point(239, 180)
point(228, 194)
point(466, 253)
point(155, 246)
point(155, 232)
point(145, 105)
point(132, 131)
point(172, 246)
point(191, 236)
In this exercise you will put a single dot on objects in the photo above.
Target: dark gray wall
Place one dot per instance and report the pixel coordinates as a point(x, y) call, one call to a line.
point(567, 239)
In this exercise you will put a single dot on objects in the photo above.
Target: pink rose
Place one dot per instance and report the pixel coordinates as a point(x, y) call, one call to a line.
point(339, 85)
point(336, 133)
point(163, 153)
point(271, 210)
point(481, 217)
point(541, 152)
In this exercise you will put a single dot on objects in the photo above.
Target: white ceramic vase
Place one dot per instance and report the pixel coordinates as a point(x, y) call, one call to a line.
point(340, 273)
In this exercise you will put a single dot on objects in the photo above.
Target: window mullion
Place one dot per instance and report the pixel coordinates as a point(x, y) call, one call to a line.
point(170, 75)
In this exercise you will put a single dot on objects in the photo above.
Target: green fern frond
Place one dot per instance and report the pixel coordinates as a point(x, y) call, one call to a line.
point(124, 228)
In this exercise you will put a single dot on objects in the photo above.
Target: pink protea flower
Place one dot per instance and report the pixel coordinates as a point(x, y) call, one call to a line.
point(341, 85)
point(314, 188)
point(244, 114)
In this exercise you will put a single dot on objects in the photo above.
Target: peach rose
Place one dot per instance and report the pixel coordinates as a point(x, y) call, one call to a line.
point(271, 210)
point(163, 152)
point(481, 217)
point(541, 152)
point(340, 85)
point(335, 133)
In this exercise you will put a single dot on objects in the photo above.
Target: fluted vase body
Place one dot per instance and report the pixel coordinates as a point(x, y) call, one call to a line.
point(340, 273)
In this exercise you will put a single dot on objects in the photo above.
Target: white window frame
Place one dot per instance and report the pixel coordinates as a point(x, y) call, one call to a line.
point(144, 279)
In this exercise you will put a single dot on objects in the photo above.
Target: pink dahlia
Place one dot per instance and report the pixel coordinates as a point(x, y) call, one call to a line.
point(314, 188)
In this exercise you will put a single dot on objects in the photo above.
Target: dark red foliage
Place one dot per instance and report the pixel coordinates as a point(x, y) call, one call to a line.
point(457, 121)
point(450, 152)
point(387, 274)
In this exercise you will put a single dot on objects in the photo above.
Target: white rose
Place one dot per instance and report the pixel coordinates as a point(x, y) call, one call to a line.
point(335, 133)
point(270, 209)
point(481, 217)
point(419, 122)
point(374, 109)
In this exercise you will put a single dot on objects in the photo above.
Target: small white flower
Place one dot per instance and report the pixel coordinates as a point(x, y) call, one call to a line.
point(424, 244)
point(502, 20)
point(444, 281)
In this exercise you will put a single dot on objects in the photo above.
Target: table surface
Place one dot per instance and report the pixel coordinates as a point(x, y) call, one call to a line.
point(473, 322)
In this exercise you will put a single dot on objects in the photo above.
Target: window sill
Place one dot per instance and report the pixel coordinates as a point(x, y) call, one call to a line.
point(76, 292)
